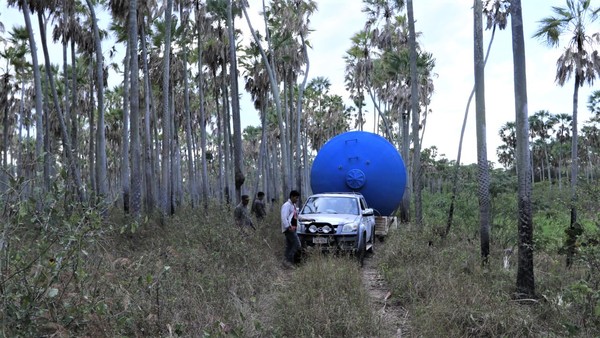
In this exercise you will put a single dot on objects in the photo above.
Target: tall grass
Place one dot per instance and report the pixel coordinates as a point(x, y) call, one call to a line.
point(325, 297)
point(196, 275)
point(79, 273)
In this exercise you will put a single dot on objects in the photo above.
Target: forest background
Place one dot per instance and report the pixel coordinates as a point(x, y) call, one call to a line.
point(88, 163)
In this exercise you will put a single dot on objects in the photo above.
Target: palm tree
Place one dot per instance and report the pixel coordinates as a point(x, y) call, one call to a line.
point(563, 135)
point(235, 105)
point(525, 276)
point(285, 156)
point(356, 71)
point(482, 162)
point(496, 13)
point(201, 28)
point(541, 123)
point(66, 139)
point(507, 134)
point(581, 60)
point(101, 177)
point(166, 191)
point(37, 85)
point(414, 100)
point(120, 12)
point(594, 102)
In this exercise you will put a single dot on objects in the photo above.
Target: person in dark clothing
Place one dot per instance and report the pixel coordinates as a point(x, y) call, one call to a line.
point(258, 207)
point(240, 214)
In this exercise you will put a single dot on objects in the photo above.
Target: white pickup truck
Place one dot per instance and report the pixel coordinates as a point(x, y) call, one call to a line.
point(340, 222)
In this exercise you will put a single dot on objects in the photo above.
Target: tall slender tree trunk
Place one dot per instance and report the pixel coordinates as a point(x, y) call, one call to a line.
point(92, 130)
point(125, 168)
point(299, 171)
point(39, 110)
point(148, 158)
point(460, 142)
point(482, 162)
point(100, 134)
point(134, 122)
point(166, 150)
point(416, 116)
point(262, 148)
point(188, 122)
point(202, 116)
point(220, 153)
point(5, 140)
point(235, 107)
point(74, 110)
point(226, 136)
point(65, 46)
point(66, 140)
point(275, 91)
point(405, 143)
point(525, 274)
point(574, 227)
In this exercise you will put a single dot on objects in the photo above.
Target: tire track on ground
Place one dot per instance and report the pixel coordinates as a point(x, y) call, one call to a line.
point(393, 317)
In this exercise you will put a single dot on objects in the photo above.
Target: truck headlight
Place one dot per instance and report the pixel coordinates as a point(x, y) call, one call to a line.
point(350, 227)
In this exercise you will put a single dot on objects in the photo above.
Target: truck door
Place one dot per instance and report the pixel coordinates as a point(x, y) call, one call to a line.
point(369, 221)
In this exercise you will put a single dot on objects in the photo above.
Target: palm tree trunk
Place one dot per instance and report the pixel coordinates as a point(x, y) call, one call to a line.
point(525, 272)
point(100, 134)
point(39, 110)
point(275, 91)
point(405, 150)
point(148, 158)
point(134, 101)
point(202, 118)
point(262, 147)
point(125, 168)
point(226, 135)
point(574, 227)
point(460, 142)
point(416, 116)
point(73, 170)
point(235, 107)
point(188, 122)
point(74, 113)
point(482, 162)
point(92, 124)
point(166, 150)
point(65, 45)
point(299, 171)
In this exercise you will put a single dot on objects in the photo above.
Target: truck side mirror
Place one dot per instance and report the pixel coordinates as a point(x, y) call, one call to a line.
point(368, 212)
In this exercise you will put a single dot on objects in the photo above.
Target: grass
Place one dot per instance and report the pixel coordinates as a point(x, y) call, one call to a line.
point(79, 274)
point(448, 293)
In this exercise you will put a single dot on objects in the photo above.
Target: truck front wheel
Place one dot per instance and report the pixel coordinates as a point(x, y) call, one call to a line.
point(362, 251)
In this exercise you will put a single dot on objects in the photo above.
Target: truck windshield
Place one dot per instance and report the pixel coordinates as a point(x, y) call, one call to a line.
point(331, 205)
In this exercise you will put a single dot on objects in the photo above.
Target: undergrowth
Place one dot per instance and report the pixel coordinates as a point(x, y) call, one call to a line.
point(76, 271)
point(442, 284)
point(195, 275)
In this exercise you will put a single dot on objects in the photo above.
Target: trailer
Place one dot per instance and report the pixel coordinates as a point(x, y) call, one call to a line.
point(383, 224)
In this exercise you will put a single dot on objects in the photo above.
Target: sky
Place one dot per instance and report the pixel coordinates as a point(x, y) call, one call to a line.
point(446, 28)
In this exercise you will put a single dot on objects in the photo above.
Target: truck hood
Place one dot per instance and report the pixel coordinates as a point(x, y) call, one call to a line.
point(333, 219)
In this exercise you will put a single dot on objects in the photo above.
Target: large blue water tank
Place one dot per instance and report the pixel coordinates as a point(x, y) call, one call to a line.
point(362, 162)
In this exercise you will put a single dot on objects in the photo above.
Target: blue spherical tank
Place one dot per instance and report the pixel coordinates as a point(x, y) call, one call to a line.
point(361, 162)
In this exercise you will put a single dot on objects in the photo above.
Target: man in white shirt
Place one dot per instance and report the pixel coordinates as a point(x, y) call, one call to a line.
point(289, 222)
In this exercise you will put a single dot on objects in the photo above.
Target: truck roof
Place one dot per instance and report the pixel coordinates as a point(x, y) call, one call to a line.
point(344, 194)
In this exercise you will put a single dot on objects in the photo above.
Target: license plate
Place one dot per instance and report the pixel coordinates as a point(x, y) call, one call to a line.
point(320, 240)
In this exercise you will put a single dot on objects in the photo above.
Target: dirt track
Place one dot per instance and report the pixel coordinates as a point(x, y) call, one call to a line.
point(393, 317)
